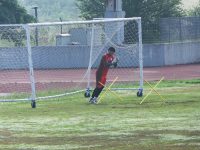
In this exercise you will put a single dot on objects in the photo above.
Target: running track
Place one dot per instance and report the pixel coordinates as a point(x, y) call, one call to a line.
point(16, 81)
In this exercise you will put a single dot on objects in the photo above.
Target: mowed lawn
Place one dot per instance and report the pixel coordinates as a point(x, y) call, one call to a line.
point(114, 124)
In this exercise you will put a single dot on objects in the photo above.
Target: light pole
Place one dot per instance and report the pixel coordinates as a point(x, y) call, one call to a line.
point(61, 31)
point(36, 29)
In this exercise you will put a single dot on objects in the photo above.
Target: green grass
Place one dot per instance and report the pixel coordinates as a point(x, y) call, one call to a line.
point(71, 123)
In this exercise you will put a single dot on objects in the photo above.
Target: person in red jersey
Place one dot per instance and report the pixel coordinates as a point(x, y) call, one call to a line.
point(109, 59)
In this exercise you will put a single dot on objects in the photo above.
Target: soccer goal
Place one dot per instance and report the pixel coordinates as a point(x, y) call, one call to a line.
point(48, 60)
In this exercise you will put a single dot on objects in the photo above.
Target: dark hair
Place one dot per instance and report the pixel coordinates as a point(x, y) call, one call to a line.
point(112, 49)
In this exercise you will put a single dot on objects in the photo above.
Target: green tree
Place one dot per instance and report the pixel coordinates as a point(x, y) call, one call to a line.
point(12, 13)
point(195, 11)
point(150, 11)
point(91, 8)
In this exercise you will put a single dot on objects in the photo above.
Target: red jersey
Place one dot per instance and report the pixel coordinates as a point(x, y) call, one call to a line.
point(103, 69)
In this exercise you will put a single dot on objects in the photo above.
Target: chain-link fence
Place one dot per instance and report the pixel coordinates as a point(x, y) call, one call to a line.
point(169, 30)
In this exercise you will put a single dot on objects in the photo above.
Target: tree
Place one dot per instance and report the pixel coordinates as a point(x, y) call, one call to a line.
point(12, 13)
point(145, 8)
point(90, 9)
point(195, 11)
point(150, 11)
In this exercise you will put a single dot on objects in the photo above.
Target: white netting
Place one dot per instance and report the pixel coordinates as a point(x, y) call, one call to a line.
point(65, 55)
point(124, 37)
point(14, 67)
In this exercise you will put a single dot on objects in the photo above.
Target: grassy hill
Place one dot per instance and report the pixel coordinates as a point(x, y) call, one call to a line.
point(52, 10)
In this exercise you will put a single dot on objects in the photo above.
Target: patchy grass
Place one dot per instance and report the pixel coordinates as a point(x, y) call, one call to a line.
point(72, 123)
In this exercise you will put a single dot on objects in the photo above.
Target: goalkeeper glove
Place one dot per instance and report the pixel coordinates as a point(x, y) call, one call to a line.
point(115, 61)
point(115, 64)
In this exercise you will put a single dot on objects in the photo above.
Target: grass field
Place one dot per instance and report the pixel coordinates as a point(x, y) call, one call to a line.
point(72, 123)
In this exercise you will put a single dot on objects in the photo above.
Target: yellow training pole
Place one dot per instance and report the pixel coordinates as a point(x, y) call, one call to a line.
point(107, 89)
point(151, 89)
point(155, 90)
point(111, 91)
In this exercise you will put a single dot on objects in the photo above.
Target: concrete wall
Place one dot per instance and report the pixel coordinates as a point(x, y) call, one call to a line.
point(153, 55)
point(51, 57)
point(182, 53)
point(77, 56)
point(171, 54)
point(13, 58)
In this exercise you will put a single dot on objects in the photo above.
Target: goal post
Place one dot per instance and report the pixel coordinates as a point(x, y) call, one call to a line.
point(140, 90)
point(66, 56)
point(125, 35)
point(30, 62)
point(16, 71)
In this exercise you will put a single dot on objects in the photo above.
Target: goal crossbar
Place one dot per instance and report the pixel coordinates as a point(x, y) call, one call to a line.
point(89, 41)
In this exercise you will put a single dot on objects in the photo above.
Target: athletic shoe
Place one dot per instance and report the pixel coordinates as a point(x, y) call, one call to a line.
point(95, 101)
point(91, 100)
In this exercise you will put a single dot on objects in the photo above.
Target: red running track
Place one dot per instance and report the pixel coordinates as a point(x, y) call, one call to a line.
point(18, 80)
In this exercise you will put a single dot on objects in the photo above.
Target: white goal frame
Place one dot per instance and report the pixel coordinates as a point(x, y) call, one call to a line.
point(33, 98)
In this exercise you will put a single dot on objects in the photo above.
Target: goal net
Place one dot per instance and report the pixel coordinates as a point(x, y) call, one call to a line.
point(47, 60)
point(15, 83)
